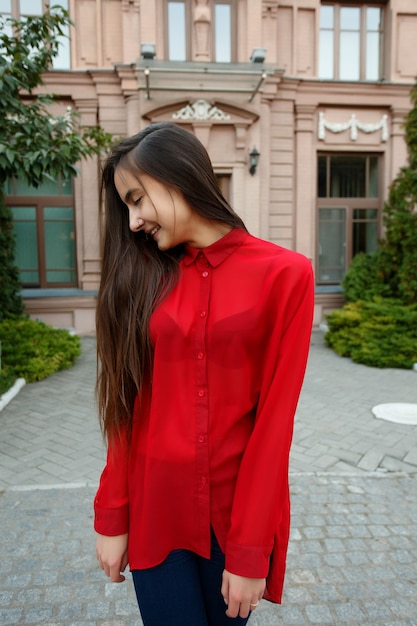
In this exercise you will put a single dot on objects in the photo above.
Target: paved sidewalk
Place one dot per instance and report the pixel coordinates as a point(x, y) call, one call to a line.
point(353, 549)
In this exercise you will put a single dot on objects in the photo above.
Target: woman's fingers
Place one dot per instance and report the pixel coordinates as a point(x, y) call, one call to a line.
point(242, 595)
point(112, 556)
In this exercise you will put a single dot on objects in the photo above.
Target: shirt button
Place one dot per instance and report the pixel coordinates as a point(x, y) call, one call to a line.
point(201, 392)
point(204, 274)
point(201, 439)
point(203, 314)
point(200, 355)
point(204, 479)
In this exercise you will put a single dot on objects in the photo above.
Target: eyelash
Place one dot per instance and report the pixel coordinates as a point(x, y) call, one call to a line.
point(138, 201)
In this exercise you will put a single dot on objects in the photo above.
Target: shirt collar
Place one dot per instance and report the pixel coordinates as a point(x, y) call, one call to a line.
point(219, 250)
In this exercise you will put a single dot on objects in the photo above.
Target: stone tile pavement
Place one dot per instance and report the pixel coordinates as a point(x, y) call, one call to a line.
point(353, 550)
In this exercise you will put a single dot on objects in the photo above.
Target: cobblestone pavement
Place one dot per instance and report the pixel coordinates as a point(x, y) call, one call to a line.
point(353, 549)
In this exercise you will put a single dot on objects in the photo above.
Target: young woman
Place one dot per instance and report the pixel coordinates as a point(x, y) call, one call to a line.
point(203, 333)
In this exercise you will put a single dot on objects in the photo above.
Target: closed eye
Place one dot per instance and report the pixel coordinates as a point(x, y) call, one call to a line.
point(138, 201)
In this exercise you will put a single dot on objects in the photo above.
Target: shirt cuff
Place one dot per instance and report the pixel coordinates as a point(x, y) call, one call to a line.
point(248, 561)
point(111, 522)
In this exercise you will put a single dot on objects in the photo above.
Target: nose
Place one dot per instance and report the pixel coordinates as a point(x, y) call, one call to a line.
point(135, 222)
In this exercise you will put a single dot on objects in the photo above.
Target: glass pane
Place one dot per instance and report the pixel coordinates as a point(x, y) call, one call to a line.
point(373, 187)
point(365, 214)
point(347, 177)
point(58, 213)
point(5, 6)
point(326, 16)
point(176, 31)
point(66, 187)
point(322, 177)
point(365, 237)
point(373, 18)
point(372, 56)
point(8, 187)
point(350, 18)
point(58, 276)
point(60, 251)
point(48, 188)
point(63, 59)
point(24, 212)
point(326, 64)
point(349, 56)
point(26, 250)
point(223, 35)
point(332, 245)
point(31, 7)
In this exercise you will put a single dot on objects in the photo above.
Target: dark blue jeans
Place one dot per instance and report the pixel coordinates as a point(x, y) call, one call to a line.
point(184, 590)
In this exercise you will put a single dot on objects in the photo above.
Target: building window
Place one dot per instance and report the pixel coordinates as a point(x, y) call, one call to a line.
point(20, 9)
point(351, 41)
point(44, 228)
point(348, 212)
point(207, 35)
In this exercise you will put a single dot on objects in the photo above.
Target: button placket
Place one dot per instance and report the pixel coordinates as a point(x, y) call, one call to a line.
point(201, 426)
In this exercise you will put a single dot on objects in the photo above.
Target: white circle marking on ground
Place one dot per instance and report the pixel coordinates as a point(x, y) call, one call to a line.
point(398, 412)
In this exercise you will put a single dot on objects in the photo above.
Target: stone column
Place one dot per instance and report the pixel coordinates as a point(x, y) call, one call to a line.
point(87, 207)
point(305, 232)
point(398, 145)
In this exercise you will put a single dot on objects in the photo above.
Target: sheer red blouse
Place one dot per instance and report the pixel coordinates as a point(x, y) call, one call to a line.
point(211, 442)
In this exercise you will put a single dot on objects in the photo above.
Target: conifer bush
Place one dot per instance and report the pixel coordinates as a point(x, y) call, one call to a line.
point(378, 325)
point(33, 350)
point(382, 333)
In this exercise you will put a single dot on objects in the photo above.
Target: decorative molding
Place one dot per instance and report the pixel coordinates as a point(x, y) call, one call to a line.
point(354, 126)
point(200, 110)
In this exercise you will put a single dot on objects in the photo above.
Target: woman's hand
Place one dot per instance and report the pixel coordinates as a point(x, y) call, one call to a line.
point(111, 554)
point(241, 595)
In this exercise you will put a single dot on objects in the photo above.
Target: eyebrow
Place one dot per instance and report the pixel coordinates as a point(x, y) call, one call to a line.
point(130, 193)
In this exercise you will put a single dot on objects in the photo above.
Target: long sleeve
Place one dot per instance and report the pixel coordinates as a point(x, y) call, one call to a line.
point(260, 513)
point(111, 504)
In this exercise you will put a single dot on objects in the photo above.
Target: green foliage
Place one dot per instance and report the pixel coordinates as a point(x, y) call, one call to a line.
point(33, 143)
point(364, 279)
point(33, 350)
point(10, 301)
point(382, 333)
point(392, 270)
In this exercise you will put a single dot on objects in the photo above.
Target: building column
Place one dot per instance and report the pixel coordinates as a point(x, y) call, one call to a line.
point(134, 122)
point(398, 145)
point(305, 188)
point(87, 202)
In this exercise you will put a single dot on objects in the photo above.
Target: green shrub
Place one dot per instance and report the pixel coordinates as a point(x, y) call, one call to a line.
point(363, 279)
point(382, 333)
point(33, 350)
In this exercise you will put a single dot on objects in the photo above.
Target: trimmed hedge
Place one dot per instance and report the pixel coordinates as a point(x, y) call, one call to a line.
point(382, 333)
point(33, 350)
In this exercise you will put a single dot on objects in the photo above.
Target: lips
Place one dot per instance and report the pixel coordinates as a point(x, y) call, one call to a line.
point(154, 230)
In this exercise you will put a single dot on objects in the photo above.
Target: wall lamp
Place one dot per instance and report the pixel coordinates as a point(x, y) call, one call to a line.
point(253, 160)
point(148, 50)
point(258, 55)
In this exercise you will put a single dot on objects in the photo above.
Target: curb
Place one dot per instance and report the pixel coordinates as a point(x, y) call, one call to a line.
point(11, 393)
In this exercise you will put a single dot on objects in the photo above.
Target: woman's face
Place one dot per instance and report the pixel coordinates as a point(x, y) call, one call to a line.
point(158, 210)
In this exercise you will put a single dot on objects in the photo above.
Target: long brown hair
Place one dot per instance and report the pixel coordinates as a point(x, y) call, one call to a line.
point(135, 274)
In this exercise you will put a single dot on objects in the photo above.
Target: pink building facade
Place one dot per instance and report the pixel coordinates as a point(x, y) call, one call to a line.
point(319, 89)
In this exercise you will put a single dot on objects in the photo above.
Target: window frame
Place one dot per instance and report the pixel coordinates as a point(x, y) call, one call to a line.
point(362, 6)
point(40, 202)
point(17, 15)
point(349, 204)
point(189, 33)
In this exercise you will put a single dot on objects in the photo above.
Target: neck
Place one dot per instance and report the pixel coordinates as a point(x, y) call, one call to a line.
point(207, 233)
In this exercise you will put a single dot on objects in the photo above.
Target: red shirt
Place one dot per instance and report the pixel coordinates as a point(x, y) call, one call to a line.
point(211, 443)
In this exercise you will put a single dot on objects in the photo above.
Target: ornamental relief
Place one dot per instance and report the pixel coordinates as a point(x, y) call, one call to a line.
point(200, 110)
point(354, 125)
